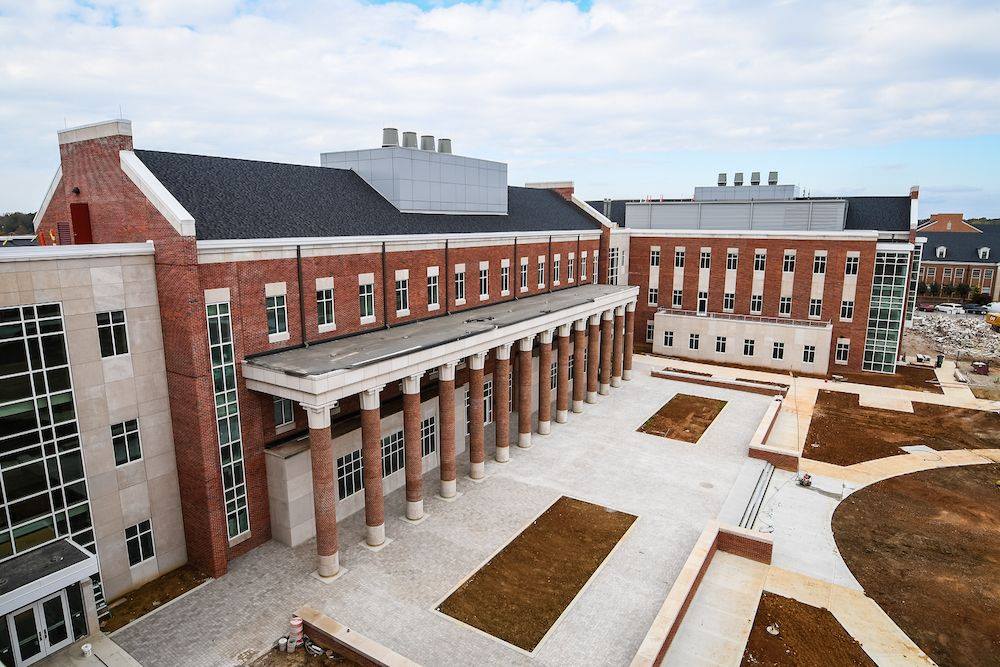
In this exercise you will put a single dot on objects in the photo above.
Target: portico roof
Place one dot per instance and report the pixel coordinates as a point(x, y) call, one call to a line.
point(340, 367)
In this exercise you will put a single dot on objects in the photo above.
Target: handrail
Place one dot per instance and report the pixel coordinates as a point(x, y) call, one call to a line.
point(745, 318)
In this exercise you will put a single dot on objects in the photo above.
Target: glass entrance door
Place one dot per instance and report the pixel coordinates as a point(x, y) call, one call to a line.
point(40, 628)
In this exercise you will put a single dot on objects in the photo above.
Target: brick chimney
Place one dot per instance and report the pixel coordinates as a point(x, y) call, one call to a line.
point(563, 188)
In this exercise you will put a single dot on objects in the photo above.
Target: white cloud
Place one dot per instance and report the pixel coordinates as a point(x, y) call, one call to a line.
point(544, 85)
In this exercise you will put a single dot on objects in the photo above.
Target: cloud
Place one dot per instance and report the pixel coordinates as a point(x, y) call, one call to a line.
point(532, 82)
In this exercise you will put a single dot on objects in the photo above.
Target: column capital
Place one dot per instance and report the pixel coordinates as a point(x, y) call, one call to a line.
point(477, 361)
point(545, 337)
point(630, 307)
point(319, 416)
point(620, 311)
point(503, 351)
point(525, 344)
point(594, 320)
point(563, 331)
point(608, 315)
point(446, 371)
point(411, 383)
point(580, 325)
point(370, 398)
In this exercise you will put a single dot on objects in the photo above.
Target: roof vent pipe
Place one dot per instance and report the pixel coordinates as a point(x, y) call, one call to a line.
point(738, 178)
point(444, 145)
point(754, 178)
point(427, 142)
point(390, 137)
point(772, 178)
point(722, 178)
point(409, 139)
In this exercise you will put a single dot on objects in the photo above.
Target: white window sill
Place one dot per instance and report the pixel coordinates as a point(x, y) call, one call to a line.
point(524, 289)
point(484, 297)
point(284, 428)
point(840, 363)
point(505, 292)
point(785, 315)
point(242, 537)
point(555, 283)
point(144, 560)
point(370, 319)
point(755, 312)
point(459, 302)
point(650, 303)
point(432, 307)
point(278, 337)
point(324, 328)
point(846, 319)
point(813, 317)
point(403, 313)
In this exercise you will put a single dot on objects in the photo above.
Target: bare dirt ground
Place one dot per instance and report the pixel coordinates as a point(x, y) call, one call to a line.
point(983, 386)
point(683, 417)
point(844, 433)
point(149, 596)
point(913, 378)
point(300, 658)
point(521, 592)
point(926, 548)
point(807, 637)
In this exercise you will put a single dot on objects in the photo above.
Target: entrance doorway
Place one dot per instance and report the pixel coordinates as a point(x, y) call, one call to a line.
point(40, 629)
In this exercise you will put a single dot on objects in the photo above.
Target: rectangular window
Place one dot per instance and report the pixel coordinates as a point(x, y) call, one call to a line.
point(111, 331)
point(819, 264)
point(277, 314)
point(931, 272)
point(975, 273)
point(808, 354)
point(459, 286)
point(732, 259)
point(946, 273)
point(654, 257)
point(788, 263)
point(540, 272)
point(728, 301)
point(785, 306)
point(553, 375)
point(678, 298)
point(555, 270)
point(392, 453)
point(488, 401)
point(571, 269)
point(125, 441)
point(139, 542)
point(583, 266)
point(283, 412)
point(756, 303)
point(227, 418)
point(759, 259)
point(324, 308)
point(524, 274)
point(693, 341)
point(748, 347)
point(596, 255)
point(649, 332)
point(402, 295)
point(720, 344)
point(815, 307)
point(702, 302)
point(504, 279)
point(484, 282)
point(851, 266)
point(613, 261)
point(679, 259)
point(846, 310)
point(653, 296)
point(960, 272)
point(668, 339)
point(350, 474)
point(366, 300)
point(428, 436)
point(705, 261)
point(432, 291)
point(778, 351)
point(843, 352)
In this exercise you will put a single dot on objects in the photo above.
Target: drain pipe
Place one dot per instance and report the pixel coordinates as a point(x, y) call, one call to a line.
point(575, 269)
point(447, 298)
point(517, 264)
point(549, 261)
point(385, 297)
point(302, 298)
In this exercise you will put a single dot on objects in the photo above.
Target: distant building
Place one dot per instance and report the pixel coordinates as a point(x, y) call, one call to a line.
point(957, 252)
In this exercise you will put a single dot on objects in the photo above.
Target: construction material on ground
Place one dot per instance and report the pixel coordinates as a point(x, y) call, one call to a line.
point(961, 336)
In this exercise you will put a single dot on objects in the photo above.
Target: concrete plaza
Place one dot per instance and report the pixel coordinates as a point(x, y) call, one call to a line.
point(673, 487)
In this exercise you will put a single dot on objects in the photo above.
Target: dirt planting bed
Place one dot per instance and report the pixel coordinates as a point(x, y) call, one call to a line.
point(301, 658)
point(844, 433)
point(913, 378)
point(151, 596)
point(683, 417)
point(926, 548)
point(806, 636)
point(523, 590)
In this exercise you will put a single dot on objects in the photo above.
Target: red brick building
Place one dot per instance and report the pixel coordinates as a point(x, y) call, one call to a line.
point(956, 252)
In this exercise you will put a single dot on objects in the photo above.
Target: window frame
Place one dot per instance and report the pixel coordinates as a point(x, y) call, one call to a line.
point(108, 333)
point(122, 441)
point(134, 534)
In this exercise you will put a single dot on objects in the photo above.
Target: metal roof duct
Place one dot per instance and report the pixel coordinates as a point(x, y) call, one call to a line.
point(427, 142)
point(738, 178)
point(409, 139)
point(390, 137)
point(444, 145)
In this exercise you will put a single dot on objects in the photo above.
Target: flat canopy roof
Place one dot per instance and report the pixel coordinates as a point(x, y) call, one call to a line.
point(372, 347)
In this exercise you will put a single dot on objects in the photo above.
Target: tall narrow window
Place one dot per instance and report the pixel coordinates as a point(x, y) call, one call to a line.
point(851, 266)
point(277, 315)
point(284, 414)
point(402, 296)
point(702, 302)
point(433, 301)
point(393, 457)
point(732, 259)
point(524, 274)
point(649, 332)
point(428, 436)
point(112, 333)
point(571, 268)
point(706, 259)
point(139, 542)
point(366, 301)
point(808, 354)
point(679, 258)
point(583, 266)
point(819, 264)
point(350, 474)
point(653, 296)
point(540, 272)
point(815, 307)
point(846, 310)
point(460, 287)
point(677, 298)
point(505, 279)
point(596, 254)
point(756, 303)
point(728, 302)
point(843, 352)
point(125, 442)
point(488, 401)
point(484, 282)
point(613, 261)
point(654, 257)
point(555, 270)
point(759, 260)
point(788, 263)
point(324, 309)
point(785, 306)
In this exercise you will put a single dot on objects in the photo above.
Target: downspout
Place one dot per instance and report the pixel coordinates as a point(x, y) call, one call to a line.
point(447, 298)
point(302, 298)
point(577, 261)
point(551, 266)
point(516, 264)
point(385, 296)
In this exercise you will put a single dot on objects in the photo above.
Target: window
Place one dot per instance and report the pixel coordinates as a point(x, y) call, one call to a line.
point(649, 332)
point(946, 273)
point(885, 313)
point(668, 339)
point(720, 344)
point(139, 542)
point(654, 256)
point(484, 282)
point(432, 291)
point(350, 474)
point(728, 301)
point(693, 341)
point(125, 441)
point(112, 333)
point(402, 295)
point(785, 306)
point(732, 259)
point(815, 307)
point(702, 302)
point(808, 354)
point(583, 266)
point(705, 261)
point(488, 401)
point(555, 270)
point(614, 255)
point(277, 315)
point(846, 310)
point(510, 392)
point(843, 352)
point(851, 266)
point(759, 258)
point(756, 303)
point(975, 273)
point(748, 347)
point(283, 412)
point(324, 308)
point(505, 279)
point(653, 296)
point(960, 272)
point(428, 436)
point(788, 263)
point(571, 269)
point(524, 274)
point(392, 453)
point(819, 264)
point(679, 258)
point(366, 301)
point(540, 272)
point(596, 255)
point(678, 298)
point(460, 286)
point(778, 351)
point(553, 375)
point(931, 272)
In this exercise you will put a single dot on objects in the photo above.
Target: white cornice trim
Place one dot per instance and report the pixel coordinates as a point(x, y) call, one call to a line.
point(593, 212)
point(49, 194)
point(157, 194)
point(849, 235)
point(83, 251)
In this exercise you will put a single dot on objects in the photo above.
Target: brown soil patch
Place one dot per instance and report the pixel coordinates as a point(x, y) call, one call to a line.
point(912, 378)
point(524, 589)
point(671, 369)
point(844, 433)
point(152, 595)
point(926, 548)
point(683, 417)
point(986, 393)
point(301, 658)
point(807, 637)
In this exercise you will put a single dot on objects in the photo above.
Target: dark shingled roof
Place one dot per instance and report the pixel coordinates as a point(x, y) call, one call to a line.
point(617, 209)
point(962, 246)
point(884, 214)
point(247, 199)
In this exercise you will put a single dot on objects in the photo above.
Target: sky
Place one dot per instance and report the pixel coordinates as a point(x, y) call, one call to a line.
point(627, 99)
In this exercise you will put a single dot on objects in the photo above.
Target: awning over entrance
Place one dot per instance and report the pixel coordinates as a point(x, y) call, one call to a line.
point(33, 575)
point(326, 372)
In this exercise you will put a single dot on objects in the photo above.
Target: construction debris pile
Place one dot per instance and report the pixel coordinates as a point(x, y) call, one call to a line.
point(960, 336)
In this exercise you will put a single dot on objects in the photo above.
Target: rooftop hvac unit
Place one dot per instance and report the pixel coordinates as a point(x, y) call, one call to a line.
point(390, 137)
point(444, 145)
point(409, 139)
point(738, 178)
point(772, 178)
point(427, 143)
point(722, 178)
point(754, 178)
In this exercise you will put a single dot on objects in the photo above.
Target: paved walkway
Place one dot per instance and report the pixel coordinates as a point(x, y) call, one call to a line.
point(104, 653)
point(674, 488)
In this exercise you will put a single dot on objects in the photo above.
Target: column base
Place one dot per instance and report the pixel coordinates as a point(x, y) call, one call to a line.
point(524, 440)
point(375, 535)
point(448, 489)
point(502, 454)
point(604, 389)
point(328, 567)
point(591, 397)
point(414, 510)
point(477, 470)
point(545, 427)
point(449, 499)
point(616, 381)
point(627, 374)
point(562, 416)
point(577, 407)
point(329, 580)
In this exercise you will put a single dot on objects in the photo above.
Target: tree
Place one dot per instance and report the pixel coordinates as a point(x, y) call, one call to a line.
point(921, 288)
point(962, 291)
point(934, 289)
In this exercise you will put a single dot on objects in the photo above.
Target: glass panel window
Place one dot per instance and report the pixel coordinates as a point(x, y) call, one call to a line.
point(720, 344)
point(693, 341)
point(614, 261)
point(649, 332)
point(678, 298)
point(778, 351)
point(125, 442)
point(402, 294)
point(843, 352)
point(851, 266)
point(277, 315)
point(654, 257)
point(678, 259)
point(324, 307)
point(484, 283)
point(756, 303)
point(366, 300)
point(596, 255)
point(748, 347)
point(428, 436)
point(705, 261)
point(570, 269)
point(653, 296)
point(505, 277)
point(788, 263)
point(785, 306)
point(808, 354)
point(488, 401)
point(524, 275)
point(846, 310)
point(112, 333)
point(819, 264)
point(668, 339)
point(732, 259)
point(432, 290)
point(759, 259)
point(460, 285)
point(555, 269)
point(139, 542)
point(350, 474)
point(540, 273)
point(283, 412)
point(815, 307)
point(728, 301)
point(392, 453)
point(885, 311)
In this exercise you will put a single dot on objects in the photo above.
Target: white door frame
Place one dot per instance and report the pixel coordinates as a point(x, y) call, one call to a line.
point(42, 628)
